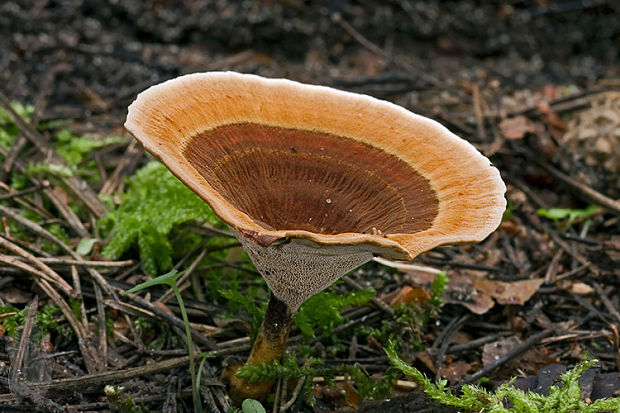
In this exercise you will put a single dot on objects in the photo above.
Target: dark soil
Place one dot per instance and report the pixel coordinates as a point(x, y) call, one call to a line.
point(473, 66)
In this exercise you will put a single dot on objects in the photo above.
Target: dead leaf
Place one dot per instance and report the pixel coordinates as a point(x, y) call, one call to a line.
point(411, 296)
point(581, 288)
point(477, 295)
point(16, 296)
point(492, 352)
point(557, 127)
point(427, 360)
point(454, 372)
point(163, 307)
point(517, 292)
point(351, 395)
point(61, 194)
point(516, 128)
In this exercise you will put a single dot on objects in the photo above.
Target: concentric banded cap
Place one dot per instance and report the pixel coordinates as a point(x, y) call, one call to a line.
point(280, 160)
point(316, 181)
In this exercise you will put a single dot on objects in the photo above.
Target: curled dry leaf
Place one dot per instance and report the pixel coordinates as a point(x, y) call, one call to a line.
point(557, 127)
point(411, 296)
point(479, 296)
point(454, 372)
point(352, 396)
point(491, 352)
point(517, 292)
point(581, 288)
point(516, 128)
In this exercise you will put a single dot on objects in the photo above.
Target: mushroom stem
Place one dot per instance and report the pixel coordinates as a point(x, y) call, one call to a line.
point(269, 345)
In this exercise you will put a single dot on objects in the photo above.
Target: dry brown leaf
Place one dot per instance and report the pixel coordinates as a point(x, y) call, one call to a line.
point(581, 288)
point(163, 307)
point(62, 194)
point(478, 295)
point(16, 296)
point(557, 127)
point(351, 395)
point(491, 352)
point(427, 360)
point(411, 296)
point(454, 372)
point(517, 292)
point(516, 128)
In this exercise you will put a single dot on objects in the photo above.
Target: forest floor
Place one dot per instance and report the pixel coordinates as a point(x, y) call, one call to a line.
point(535, 86)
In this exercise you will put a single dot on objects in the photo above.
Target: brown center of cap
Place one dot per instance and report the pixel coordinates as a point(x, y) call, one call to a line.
point(292, 179)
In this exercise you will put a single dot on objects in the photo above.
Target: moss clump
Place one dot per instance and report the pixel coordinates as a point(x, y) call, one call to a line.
point(565, 399)
point(154, 203)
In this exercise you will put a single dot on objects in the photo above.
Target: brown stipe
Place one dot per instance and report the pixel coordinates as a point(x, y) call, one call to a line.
point(269, 346)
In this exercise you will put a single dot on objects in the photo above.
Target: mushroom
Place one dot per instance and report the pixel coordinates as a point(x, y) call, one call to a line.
point(314, 181)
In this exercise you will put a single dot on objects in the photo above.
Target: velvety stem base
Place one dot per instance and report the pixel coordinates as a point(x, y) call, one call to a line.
point(269, 346)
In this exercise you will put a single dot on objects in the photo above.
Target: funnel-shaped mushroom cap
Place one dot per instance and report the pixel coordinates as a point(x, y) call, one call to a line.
point(315, 180)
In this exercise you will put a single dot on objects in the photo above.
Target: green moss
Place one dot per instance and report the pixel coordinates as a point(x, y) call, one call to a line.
point(8, 128)
point(154, 203)
point(322, 311)
point(565, 399)
point(289, 369)
point(74, 149)
point(46, 321)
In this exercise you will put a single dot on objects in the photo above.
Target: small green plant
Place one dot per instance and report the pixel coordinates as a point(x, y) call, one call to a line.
point(155, 202)
point(409, 319)
point(237, 300)
point(43, 169)
point(289, 369)
point(565, 399)
point(252, 406)
point(119, 402)
point(74, 149)
point(566, 216)
point(8, 128)
point(438, 287)
point(322, 310)
point(170, 279)
point(46, 321)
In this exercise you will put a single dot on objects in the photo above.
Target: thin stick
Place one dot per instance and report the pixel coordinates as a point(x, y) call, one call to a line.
point(77, 184)
point(91, 359)
point(14, 262)
point(403, 266)
point(112, 376)
point(103, 335)
point(296, 391)
point(37, 229)
point(579, 189)
point(78, 288)
point(16, 366)
point(51, 274)
point(606, 301)
point(86, 263)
